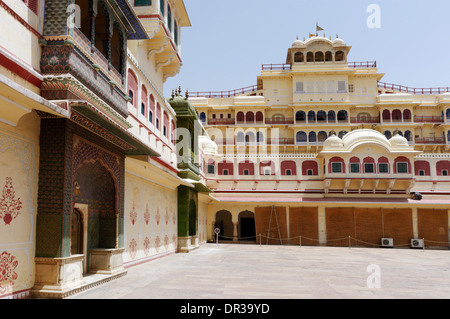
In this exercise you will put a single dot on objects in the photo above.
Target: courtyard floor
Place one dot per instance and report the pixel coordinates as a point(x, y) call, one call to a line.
point(228, 271)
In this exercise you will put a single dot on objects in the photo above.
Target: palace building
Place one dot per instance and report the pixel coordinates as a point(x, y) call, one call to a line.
point(321, 152)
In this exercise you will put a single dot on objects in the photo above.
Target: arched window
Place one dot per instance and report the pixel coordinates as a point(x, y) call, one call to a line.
point(175, 32)
point(300, 116)
point(408, 136)
point(203, 117)
point(331, 116)
point(259, 137)
point(443, 168)
point(144, 101)
point(250, 117)
point(312, 137)
point(311, 116)
point(388, 134)
point(299, 58)
point(340, 56)
point(355, 165)
point(165, 124)
point(383, 165)
point(132, 87)
point(319, 57)
point(84, 22)
point(369, 165)
point(310, 168)
point(288, 168)
point(240, 138)
point(246, 168)
point(407, 116)
point(336, 166)
point(322, 136)
point(169, 18)
point(151, 110)
point(162, 8)
point(310, 57)
point(158, 116)
point(321, 116)
point(211, 167)
point(402, 165)
point(342, 116)
point(422, 168)
point(225, 168)
point(267, 168)
point(447, 114)
point(386, 115)
point(240, 117)
point(250, 138)
point(259, 117)
point(117, 49)
point(397, 115)
point(301, 137)
point(101, 29)
point(328, 57)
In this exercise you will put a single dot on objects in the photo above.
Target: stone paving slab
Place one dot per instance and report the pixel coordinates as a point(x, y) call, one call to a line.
point(228, 271)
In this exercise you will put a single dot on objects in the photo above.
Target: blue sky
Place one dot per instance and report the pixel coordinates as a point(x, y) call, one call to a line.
point(230, 40)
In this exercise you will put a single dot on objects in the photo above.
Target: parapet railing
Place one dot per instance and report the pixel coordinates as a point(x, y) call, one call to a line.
point(350, 241)
point(405, 89)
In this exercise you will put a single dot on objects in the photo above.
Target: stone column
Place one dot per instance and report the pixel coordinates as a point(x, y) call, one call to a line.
point(415, 223)
point(322, 226)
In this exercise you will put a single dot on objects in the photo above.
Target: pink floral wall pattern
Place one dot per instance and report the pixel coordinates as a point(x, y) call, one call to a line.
point(133, 249)
point(9, 206)
point(133, 214)
point(146, 246)
point(147, 215)
point(8, 264)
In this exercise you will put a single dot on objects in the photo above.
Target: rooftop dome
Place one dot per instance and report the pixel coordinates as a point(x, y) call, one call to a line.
point(333, 141)
point(399, 141)
point(338, 41)
point(298, 43)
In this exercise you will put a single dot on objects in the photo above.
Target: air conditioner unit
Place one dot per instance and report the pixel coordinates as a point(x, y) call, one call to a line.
point(387, 242)
point(417, 243)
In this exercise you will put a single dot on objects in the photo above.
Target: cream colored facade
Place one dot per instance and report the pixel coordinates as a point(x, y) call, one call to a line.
point(322, 132)
point(150, 191)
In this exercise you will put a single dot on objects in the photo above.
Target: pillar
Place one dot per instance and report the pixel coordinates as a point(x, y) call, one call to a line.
point(415, 223)
point(322, 226)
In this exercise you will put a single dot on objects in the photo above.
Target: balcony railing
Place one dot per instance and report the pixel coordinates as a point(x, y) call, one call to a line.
point(283, 67)
point(280, 141)
point(405, 89)
point(367, 64)
point(428, 119)
point(430, 140)
point(221, 122)
point(279, 121)
point(227, 94)
point(365, 120)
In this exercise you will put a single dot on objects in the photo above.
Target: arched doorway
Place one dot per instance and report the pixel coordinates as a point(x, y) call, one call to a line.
point(225, 223)
point(247, 226)
point(95, 188)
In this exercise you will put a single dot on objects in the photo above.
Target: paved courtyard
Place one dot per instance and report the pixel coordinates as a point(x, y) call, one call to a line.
point(227, 271)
